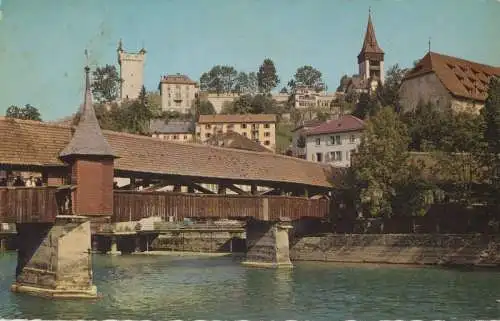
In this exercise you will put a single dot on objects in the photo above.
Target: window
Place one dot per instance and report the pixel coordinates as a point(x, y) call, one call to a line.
point(185, 137)
point(198, 134)
point(331, 141)
point(243, 125)
point(245, 134)
point(207, 135)
point(338, 156)
point(267, 142)
point(207, 126)
point(266, 125)
point(352, 139)
point(318, 141)
point(267, 134)
point(319, 157)
point(347, 155)
point(337, 140)
point(175, 137)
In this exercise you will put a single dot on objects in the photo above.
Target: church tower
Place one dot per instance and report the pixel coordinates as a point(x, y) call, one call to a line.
point(371, 57)
point(131, 72)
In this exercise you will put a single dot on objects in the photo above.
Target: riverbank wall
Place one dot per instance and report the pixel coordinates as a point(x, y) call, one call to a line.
point(420, 249)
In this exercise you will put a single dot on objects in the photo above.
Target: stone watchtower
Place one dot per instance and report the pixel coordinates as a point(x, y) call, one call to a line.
point(131, 72)
point(371, 57)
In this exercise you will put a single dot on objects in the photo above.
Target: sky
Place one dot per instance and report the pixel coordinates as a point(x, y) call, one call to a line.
point(42, 42)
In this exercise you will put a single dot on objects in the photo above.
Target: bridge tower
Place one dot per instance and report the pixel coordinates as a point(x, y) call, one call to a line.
point(54, 260)
point(131, 72)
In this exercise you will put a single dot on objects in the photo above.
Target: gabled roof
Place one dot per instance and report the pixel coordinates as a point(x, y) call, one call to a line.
point(370, 44)
point(177, 79)
point(234, 140)
point(32, 143)
point(246, 118)
point(308, 124)
point(88, 139)
point(462, 78)
point(345, 123)
point(170, 127)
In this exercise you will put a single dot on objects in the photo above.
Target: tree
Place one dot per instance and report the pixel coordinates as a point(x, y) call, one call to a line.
point(284, 90)
point(247, 104)
point(206, 108)
point(343, 83)
point(267, 77)
point(367, 105)
point(28, 112)
point(381, 162)
point(388, 93)
point(310, 77)
point(301, 141)
point(220, 79)
point(246, 83)
point(321, 115)
point(106, 84)
point(491, 114)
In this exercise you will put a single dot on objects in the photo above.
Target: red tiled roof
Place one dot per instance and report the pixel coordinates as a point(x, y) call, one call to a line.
point(346, 123)
point(308, 124)
point(247, 118)
point(236, 141)
point(39, 144)
point(462, 78)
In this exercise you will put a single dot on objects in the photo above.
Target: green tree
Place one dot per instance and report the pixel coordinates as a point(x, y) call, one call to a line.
point(284, 90)
point(246, 83)
point(206, 108)
point(321, 115)
point(367, 106)
point(491, 114)
point(310, 77)
point(343, 83)
point(388, 93)
point(219, 79)
point(381, 163)
point(106, 84)
point(28, 112)
point(267, 77)
point(301, 141)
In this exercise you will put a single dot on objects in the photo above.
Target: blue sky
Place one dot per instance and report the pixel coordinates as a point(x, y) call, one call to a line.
point(42, 42)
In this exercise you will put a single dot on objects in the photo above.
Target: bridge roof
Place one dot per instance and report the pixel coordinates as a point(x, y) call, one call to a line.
point(31, 143)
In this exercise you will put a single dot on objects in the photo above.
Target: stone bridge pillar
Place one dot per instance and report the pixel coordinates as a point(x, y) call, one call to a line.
point(54, 260)
point(267, 243)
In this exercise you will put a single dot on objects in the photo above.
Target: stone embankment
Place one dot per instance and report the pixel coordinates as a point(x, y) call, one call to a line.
point(430, 249)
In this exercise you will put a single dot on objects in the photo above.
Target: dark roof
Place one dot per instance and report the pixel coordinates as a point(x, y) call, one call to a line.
point(462, 78)
point(345, 123)
point(33, 143)
point(246, 118)
point(171, 127)
point(177, 79)
point(88, 138)
point(308, 124)
point(236, 141)
point(370, 44)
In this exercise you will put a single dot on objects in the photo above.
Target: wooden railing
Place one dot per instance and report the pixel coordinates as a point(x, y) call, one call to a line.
point(133, 206)
point(29, 204)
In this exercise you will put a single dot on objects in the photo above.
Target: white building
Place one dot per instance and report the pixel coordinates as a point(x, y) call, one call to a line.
point(307, 98)
point(334, 141)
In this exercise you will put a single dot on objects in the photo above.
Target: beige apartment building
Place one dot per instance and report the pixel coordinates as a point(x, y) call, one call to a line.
point(178, 93)
point(260, 128)
point(308, 98)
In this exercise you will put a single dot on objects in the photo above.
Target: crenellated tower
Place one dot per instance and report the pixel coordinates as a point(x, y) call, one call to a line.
point(371, 57)
point(131, 72)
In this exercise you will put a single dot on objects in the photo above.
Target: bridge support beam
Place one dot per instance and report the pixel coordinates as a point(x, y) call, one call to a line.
point(54, 260)
point(268, 244)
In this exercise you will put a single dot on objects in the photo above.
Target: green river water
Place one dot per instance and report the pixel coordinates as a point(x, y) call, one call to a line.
point(140, 287)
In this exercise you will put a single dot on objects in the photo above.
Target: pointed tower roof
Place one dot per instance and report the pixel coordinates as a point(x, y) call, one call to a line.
point(88, 139)
point(370, 44)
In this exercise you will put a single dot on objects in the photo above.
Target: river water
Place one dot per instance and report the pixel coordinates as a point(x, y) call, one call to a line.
point(140, 287)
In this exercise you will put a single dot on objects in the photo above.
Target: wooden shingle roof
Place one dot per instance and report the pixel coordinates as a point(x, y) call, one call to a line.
point(39, 144)
point(462, 78)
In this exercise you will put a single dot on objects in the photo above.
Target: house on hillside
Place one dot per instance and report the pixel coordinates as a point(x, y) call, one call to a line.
point(334, 141)
point(260, 128)
point(180, 131)
point(298, 147)
point(447, 81)
point(236, 141)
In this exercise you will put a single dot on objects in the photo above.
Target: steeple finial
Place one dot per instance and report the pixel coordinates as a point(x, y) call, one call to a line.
point(429, 44)
point(120, 45)
point(369, 11)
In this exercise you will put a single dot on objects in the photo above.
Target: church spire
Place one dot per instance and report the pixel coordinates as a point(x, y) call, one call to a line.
point(370, 44)
point(88, 139)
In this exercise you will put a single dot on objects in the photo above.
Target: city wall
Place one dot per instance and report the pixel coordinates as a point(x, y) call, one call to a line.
point(430, 249)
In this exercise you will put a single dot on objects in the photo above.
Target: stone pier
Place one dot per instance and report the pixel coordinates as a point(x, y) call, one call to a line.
point(268, 243)
point(54, 260)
